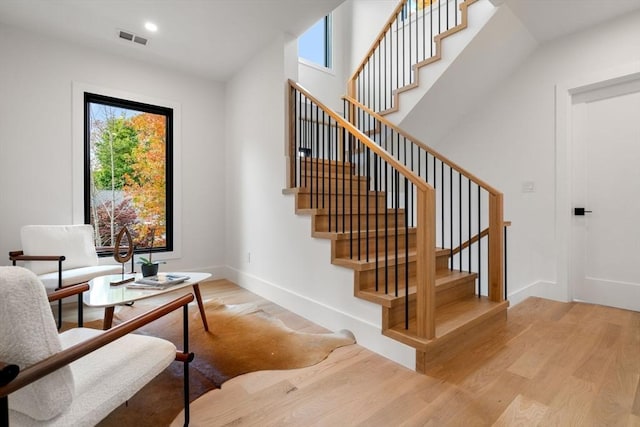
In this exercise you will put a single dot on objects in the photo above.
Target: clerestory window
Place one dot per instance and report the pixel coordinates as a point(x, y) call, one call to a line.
point(315, 44)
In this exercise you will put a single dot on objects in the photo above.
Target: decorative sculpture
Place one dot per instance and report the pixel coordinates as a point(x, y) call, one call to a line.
point(127, 256)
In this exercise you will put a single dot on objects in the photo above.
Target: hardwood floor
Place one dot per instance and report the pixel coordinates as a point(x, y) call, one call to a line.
point(551, 363)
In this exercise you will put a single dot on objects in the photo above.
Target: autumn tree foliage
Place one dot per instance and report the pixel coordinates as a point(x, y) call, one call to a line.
point(146, 184)
point(128, 163)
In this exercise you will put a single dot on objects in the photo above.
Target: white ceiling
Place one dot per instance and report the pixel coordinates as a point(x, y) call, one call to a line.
point(211, 38)
point(549, 19)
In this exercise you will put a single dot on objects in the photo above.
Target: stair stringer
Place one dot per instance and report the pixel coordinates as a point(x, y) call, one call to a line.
point(496, 50)
point(449, 45)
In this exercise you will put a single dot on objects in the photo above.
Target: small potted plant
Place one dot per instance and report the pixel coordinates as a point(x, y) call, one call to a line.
point(149, 268)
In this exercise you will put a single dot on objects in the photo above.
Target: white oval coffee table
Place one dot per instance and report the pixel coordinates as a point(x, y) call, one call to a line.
point(102, 294)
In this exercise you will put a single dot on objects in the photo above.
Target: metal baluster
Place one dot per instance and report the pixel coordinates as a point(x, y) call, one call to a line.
point(406, 260)
point(396, 190)
point(469, 220)
point(324, 143)
point(386, 227)
point(330, 143)
point(460, 221)
point(451, 216)
point(376, 160)
point(317, 153)
point(479, 245)
point(296, 140)
point(442, 202)
point(367, 194)
point(505, 263)
point(431, 29)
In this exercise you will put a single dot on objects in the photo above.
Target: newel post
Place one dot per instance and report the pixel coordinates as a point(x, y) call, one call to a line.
point(426, 264)
point(291, 138)
point(496, 247)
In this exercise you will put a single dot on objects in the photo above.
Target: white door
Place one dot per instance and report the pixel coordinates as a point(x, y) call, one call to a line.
point(606, 181)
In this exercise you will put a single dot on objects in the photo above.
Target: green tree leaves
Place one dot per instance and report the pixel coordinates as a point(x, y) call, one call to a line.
point(114, 153)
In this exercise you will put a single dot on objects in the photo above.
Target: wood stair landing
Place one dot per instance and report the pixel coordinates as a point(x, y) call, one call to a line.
point(364, 238)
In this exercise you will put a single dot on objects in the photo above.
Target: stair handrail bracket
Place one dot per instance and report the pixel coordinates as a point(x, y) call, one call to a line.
point(324, 151)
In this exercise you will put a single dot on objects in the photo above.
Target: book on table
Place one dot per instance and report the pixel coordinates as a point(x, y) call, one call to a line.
point(159, 281)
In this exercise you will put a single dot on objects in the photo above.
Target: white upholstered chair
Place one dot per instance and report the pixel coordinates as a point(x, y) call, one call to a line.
point(78, 377)
point(61, 256)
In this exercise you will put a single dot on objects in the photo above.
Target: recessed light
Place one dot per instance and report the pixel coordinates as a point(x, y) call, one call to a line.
point(151, 26)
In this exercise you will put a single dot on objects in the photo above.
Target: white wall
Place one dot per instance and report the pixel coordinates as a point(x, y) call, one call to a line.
point(329, 85)
point(510, 139)
point(356, 23)
point(36, 144)
point(367, 19)
point(269, 249)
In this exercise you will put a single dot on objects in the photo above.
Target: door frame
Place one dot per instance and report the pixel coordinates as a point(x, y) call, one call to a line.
point(565, 276)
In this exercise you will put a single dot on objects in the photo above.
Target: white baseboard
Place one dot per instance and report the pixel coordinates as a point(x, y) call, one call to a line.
point(367, 334)
point(542, 289)
point(611, 293)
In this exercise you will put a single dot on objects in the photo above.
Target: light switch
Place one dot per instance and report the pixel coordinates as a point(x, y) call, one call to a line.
point(528, 187)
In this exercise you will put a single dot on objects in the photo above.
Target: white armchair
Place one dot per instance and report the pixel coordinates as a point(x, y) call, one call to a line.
point(78, 377)
point(61, 256)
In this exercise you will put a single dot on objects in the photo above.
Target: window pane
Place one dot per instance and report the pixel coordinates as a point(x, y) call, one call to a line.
point(314, 44)
point(127, 173)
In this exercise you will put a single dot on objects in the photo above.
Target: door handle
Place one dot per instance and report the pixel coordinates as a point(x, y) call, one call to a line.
point(580, 211)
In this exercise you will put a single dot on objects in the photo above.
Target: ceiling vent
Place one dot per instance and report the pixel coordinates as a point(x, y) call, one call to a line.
point(129, 36)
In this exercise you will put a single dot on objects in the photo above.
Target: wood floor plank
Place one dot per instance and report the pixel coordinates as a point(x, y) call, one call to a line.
point(551, 363)
point(522, 412)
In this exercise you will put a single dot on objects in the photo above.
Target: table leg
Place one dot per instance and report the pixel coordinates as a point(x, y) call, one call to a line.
point(196, 290)
point(108, 317)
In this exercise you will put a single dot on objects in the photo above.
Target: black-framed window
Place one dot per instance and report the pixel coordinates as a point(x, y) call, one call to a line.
point(128, 171)
point(315, 44)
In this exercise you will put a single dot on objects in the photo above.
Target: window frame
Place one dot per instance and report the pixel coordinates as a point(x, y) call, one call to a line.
point(124, 103)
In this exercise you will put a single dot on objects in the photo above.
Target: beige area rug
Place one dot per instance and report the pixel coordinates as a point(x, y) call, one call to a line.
point(241, 339)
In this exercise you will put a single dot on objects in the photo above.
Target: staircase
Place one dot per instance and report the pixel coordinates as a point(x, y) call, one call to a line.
point(424, 237)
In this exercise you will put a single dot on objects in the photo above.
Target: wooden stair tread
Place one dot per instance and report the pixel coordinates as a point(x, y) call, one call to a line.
point(345, 235)
point(452, 319)
point(340, 211)
point(370, 264)
point(349, 178)
point(444, 280)
point(326, 192)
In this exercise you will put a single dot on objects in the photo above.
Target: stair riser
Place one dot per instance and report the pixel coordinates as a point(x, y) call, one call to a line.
point(367, 279)
point(464, 289)
point(332, 186)
point(306, 201)
point(320, 222)
point(388, 244)
point(461, 290)
point(325, 162)
point(333, 169)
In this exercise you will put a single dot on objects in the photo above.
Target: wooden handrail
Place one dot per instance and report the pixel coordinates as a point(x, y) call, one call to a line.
point(470, 242)
point(424, 146)
point(474, 239)
point(66, 356)
point(420, 183)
